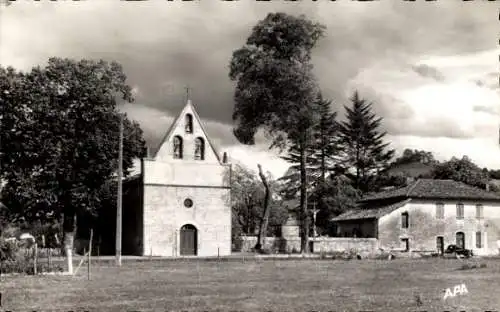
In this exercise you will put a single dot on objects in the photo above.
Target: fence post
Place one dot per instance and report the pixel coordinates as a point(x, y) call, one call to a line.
point(49, 251)
point(90, 253)
point(35, 258)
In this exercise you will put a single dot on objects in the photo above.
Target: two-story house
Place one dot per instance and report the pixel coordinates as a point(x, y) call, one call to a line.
point(427, 215)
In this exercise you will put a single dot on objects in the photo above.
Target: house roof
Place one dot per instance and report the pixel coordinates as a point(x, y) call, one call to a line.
point(375, 213)
point(435, 189)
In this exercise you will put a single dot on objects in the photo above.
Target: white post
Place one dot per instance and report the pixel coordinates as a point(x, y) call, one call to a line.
point(90, 253)
point(35, 258)
point(314, 219)
point(119, 198)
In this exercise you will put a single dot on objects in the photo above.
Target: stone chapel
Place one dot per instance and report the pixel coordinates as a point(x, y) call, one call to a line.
point(180, 202)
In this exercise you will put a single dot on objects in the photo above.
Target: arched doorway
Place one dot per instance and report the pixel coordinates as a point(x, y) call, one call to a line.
point(460, 239)
point(188, 240)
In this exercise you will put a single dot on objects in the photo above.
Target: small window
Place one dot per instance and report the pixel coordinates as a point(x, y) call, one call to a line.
point(189, 123)
point(405, 242)
point(460, 211)
point(199, 149)
point(188, 203)
point(404, 220)
point(479, 211)
point(479, 243)
point(177, 147)
point(439, 211)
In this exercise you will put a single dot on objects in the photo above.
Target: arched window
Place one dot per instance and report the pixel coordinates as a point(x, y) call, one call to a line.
point(177, 147)
point(189, 123)
point(199, 149)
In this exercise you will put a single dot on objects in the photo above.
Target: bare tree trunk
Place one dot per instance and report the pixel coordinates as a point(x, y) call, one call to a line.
point(304, 218)
point(265, 218)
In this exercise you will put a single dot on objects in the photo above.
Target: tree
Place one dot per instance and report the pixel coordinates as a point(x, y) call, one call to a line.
point(276, 89)
point(462, 170)
point(364, 153)
point(248, 202)
point(336, 196)
point(60, 138)
point(322, 150)
point(265, 214)
point(415, 156)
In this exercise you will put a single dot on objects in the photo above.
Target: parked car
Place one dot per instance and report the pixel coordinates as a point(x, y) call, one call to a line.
point(456, 251)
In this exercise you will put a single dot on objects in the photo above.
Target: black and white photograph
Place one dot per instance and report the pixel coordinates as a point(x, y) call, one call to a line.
point(210, 155)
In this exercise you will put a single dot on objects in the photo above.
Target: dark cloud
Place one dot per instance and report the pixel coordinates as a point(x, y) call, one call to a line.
point(166, 46)
point(429, 72)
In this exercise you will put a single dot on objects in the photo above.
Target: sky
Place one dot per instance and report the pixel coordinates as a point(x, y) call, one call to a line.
point(430, 68)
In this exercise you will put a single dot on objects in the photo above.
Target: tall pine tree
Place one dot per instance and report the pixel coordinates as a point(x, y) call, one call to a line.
point(325, 139)
point(364, 153)
point(321, 151)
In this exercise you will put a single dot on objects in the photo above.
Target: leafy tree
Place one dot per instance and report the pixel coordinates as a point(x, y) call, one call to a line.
point(462, 170)
point(494, 174)
point(415, 156)
point(276, 89)
point(336, 196)
point(60, 138)
point(364, 153)
point(248, 202)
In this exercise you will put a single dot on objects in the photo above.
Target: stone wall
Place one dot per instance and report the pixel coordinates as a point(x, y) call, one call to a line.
point(323, 244)
point(165, 214)
point(333, 244)
point(273, 244)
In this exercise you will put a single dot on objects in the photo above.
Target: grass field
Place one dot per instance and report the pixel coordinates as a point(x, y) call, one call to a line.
point(257, 285)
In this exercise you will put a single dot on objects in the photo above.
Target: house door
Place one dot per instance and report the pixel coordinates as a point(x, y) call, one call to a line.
point(460, 240)
point(188, 240)
point(440, 244)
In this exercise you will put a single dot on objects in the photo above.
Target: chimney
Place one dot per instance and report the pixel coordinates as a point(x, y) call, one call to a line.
point(224, 158)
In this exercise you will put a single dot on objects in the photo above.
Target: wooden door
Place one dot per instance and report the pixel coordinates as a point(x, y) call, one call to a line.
point(440, 244)
point(188, 240)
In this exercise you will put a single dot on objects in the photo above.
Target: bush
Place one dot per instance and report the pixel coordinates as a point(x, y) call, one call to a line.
point(26, 266)
point(16, 259)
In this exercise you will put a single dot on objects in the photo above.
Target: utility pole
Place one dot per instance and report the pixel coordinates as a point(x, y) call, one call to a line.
point(119, 198)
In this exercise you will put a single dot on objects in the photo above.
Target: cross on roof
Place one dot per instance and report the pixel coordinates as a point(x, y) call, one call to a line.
point(187, 93)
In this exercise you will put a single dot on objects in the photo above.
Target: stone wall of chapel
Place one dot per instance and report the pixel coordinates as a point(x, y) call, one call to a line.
point(165, 214)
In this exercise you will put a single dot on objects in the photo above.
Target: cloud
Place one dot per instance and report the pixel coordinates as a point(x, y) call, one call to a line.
point(429, 67)
point(413, 103)
point(428, 71)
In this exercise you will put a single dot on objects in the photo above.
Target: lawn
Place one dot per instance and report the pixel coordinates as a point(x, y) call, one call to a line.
point(257, 285)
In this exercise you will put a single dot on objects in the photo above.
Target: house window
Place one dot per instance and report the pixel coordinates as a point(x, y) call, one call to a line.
point(405, 242)
point(460, 211)
point(404, 220)
point(479, 243)
point(189, 123)
point(439, 211)
point(177, 147)
point(199, 149)
point(479, 211)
